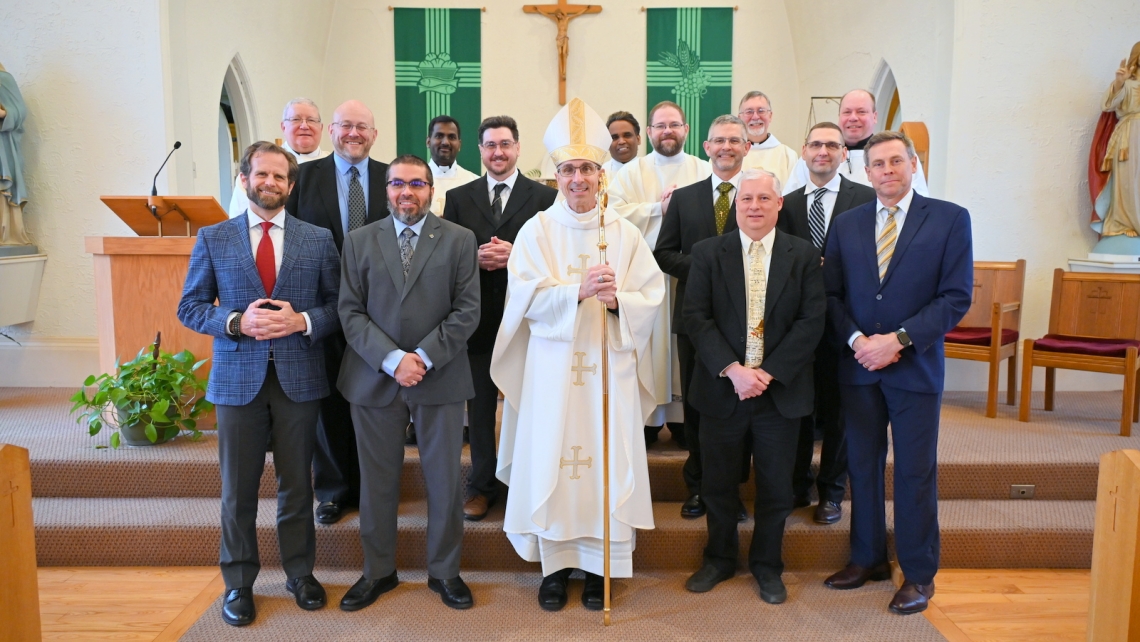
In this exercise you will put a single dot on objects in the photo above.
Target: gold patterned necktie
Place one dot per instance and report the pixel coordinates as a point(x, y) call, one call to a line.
point(757, 286)
point(721, 207)
point(885, 247)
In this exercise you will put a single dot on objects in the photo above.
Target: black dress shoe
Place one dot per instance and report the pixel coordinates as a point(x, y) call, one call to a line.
point(453, 592)
point(331, 512)
point(693, 507)
point(552, 591)
point(912, 598)
point(594, 595)
point(741, 513)
point(827, 513)
point(677, 432)
point(237, 608)
point(800, 502)
point(308, 591)
point(651, 435)
point(772, 589)
point(854, 576)
point(366, 591)
point(705, 579)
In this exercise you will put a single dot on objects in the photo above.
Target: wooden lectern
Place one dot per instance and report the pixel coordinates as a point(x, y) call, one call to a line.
point(138, 279)
point(1114, 603)
point(19, 588)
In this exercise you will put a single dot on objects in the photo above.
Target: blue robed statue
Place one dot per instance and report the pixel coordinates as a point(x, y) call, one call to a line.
point(13, 190)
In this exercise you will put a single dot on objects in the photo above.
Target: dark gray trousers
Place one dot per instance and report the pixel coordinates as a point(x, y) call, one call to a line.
point(242, 434)
point(380, 442)
point(481, 427)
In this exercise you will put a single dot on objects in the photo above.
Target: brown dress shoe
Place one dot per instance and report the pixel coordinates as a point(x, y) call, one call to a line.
point(475, 508)
point(827, 512)
point(912, 598)
point(855, 576)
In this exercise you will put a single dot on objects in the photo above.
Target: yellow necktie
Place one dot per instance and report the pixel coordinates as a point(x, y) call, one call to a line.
point(757, 286)
point(885, 247)
point(721, 207)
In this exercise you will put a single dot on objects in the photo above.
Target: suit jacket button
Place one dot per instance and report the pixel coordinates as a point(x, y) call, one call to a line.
point(878, 297)
point(878, 326)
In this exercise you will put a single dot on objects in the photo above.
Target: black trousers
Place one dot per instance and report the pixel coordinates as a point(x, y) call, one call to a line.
point(336, 466)
point(827, 422)
point(481, 428)
point(242, 434)
point(691, 471)
point(773, 453)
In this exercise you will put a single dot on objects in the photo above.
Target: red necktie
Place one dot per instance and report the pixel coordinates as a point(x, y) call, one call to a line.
point(266, 265)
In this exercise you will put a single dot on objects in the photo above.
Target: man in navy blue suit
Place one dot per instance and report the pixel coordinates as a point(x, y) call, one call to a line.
point(899, 275)
point(275, 280)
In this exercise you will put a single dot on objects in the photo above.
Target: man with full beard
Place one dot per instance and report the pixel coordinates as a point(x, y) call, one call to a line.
point(410, 301)
point(274, 307)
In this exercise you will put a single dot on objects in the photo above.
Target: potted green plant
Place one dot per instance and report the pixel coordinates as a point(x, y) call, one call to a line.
point(149, 400)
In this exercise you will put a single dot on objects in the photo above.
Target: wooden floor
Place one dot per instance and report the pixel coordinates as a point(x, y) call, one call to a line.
point(162, 603)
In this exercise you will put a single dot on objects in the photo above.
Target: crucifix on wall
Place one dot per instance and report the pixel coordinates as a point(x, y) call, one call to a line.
point(562, 14)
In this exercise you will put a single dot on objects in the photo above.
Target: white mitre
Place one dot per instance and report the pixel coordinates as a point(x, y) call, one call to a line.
point(577, 131)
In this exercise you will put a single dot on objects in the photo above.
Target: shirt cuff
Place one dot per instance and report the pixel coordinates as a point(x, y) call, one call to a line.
point(851, 339)
point(392, 361)
point(308, 324)
point(230, 319)
point(424, 357)
point(724, 373)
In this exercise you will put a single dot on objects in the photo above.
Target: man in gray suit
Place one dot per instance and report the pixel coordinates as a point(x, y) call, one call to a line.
point(409, 302)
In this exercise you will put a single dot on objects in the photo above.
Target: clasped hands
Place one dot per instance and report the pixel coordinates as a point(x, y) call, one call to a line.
point(877, 351)
point(263, 324)
point(410, 371)
point(494, 255)
point(599, 281)
point(748, 382)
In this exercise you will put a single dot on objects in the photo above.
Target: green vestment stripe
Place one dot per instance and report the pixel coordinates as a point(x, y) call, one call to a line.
point(438, 71)
point(689, 61)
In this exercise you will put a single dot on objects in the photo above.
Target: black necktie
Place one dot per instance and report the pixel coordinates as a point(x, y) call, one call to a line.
point(497, 202)
point(815, 218)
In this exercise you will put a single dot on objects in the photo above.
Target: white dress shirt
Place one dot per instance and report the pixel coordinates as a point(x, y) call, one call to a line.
point(510, 183)
point(828, 197)
point(765, 256)
point(880, 223)
point(734, 181)
point(393, 358)
point(277, 238)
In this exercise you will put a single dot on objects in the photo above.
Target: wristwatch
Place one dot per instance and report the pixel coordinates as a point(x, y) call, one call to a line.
point(235, 326)
point(904, 338)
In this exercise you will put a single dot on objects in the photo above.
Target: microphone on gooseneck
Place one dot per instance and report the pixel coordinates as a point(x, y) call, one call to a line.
point(154, 183)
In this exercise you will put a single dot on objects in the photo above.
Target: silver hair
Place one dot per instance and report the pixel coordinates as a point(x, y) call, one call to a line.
point(728, 119)
point(754, 94)
point(756, 173)
point(299, 101)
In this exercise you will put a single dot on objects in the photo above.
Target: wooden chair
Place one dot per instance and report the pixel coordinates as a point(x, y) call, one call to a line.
point(1094, 325)
point(994, 312)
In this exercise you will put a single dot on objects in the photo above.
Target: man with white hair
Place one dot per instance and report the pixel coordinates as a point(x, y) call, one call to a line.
point(301, 126)
point(767, 152)
point(548, 361)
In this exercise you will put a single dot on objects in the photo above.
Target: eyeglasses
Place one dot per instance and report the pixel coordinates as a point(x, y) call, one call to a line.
point(749, 113)
point(663, 126)
point(815, 145)
point(348, 127)
point(415, 183)
point(491, 147)
point(720, 140)
point(311, 122)
point(568, 171)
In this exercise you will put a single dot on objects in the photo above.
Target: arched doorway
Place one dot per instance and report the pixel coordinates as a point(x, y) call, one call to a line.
point(236, 126)
point(886, 93)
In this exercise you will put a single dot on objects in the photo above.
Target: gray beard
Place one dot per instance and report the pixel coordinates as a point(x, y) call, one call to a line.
point(408, 219)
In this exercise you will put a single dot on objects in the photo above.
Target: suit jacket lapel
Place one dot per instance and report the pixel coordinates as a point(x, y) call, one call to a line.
point(730, 224)
point(390, 249)
point(706, 208)
point(778, 270)
point(330, 199)
point(239, 236)
point(289, 252)
point(377, 192)
point(866, 230)
point(425, 245)
point(732, 266)
point(914, 220)
point(520, 194)
point(477, 189)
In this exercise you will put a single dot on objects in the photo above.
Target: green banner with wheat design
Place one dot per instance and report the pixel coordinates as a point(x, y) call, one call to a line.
point(689, 61)
point(438, 71)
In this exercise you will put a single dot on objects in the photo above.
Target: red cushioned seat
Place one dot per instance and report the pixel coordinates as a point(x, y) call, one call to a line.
point(978, 336)
point(1084, 345)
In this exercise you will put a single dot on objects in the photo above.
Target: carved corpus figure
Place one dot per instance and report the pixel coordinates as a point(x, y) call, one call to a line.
point(562, 14)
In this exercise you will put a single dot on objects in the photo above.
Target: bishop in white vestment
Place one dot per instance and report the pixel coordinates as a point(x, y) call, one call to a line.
point(548, 363)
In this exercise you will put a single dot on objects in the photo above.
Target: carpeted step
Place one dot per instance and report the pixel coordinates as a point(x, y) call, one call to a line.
point(186, 531)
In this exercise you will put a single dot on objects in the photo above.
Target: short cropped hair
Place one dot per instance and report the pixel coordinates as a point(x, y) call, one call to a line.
point(869, 95)
point(495, 122)
point(627, 117)
point(266, 147)
point(754, 94)
point(299, 101)
point(755, 173)
point(667, 103)
point(409, 159)
point(885, 137)
point(823, 124)
point(445, 119)
point(728, 119)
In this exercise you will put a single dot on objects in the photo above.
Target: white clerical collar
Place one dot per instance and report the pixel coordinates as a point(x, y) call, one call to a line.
point(443, 172)
point(903, 205)
point(831, 186)
point(734, 181)
point(278, 220)
point(770, 142)
point(675, 159)
point(302, 158)
point(765, 242)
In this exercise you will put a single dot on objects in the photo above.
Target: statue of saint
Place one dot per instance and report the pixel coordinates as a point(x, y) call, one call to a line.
point(1116, 150)
point(13, 190)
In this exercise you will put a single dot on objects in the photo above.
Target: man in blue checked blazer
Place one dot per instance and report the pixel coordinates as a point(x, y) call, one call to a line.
point(276, 280)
